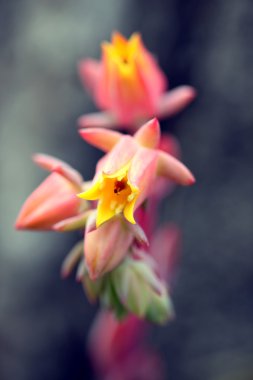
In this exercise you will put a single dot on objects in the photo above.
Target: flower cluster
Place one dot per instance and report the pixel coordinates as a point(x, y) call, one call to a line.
point(123, 261)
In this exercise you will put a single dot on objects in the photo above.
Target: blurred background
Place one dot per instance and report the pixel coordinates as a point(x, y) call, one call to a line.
point(44, 321)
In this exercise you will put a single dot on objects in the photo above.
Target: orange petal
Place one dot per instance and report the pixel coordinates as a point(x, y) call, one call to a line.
point(101, 138)
point(54, 200)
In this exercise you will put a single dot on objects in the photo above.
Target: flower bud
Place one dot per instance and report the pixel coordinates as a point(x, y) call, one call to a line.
point(141, 291)
point(106, 246)
point(53, 201)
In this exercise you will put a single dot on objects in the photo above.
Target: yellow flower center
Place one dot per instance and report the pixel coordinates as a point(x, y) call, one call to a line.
point(115, 195)
point(123, 52)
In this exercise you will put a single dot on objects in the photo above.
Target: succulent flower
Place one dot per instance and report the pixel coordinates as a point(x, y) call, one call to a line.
point(126, 174)
point(128, 85)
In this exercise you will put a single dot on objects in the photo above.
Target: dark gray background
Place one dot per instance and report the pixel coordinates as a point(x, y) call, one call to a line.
point(208, 44)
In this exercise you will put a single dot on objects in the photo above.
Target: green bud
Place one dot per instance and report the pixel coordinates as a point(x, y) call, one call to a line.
point(141, 291)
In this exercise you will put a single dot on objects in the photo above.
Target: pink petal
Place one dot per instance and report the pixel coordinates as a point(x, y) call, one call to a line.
point(98, 120)
point(142, 172)
point(149, 134)
point(173, 169)
point(138, 233)
point(121, 154)
point(105, 247)
point(101, 138)
point(53, 164)
point(111, 341)
point(175, 100)
point(89, 71)
point(165, 248)
point(72, 259)
point(163, 186)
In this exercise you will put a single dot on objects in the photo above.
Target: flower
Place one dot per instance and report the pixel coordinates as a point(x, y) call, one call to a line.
point(125, 175)
point(128, 85)
point(118, 349)
point(55, 199)
point(115, 190)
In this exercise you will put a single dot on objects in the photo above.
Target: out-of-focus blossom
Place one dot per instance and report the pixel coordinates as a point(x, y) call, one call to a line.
point(55, 199)
point(116, 339)
point(118, 352)
point(126, 175)
point(129, 86)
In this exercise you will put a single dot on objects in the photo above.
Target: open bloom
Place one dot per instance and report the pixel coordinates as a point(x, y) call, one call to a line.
point(55, 199)
point(125, 175)
point(128, 84)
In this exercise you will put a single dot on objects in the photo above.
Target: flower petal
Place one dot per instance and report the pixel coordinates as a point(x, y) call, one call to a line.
point(71, 224)
point(104, 213)
point(101, 138)
point(53, 164)
point(149, 134)
point(72, 259)
point(142, 172)
point(120, 156)
point(175, 100)
point(165, 248)
point(89, 71)
point(173, 169)
point(98, 120)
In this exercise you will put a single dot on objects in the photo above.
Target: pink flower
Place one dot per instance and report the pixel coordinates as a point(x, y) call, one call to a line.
point(55, 199)
point(125, 176)
point(128, 85)
point(118, 351)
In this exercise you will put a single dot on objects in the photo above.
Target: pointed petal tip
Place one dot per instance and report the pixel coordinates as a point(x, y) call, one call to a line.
point(192, 180)
point(149, 134)
point(81, 122)
point(22, 224)
point(19, 226)
point(58, 227)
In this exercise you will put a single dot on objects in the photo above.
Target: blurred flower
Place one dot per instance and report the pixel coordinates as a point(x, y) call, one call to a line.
point(129, 85)
point(118, 351)
point(55, 199)
point(125, 176)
